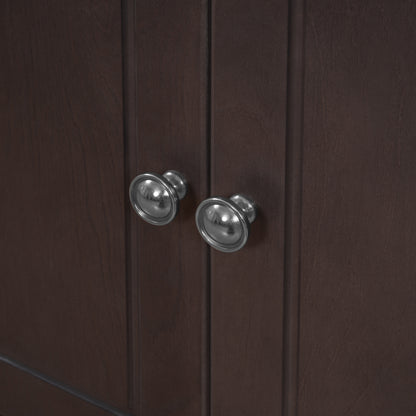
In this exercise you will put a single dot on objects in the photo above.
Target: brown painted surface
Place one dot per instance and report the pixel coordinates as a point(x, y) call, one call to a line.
point(62, 297)
point(23, 395)
point(171, 49)
point(249, 64)
point(358, 286)
point(143, 318)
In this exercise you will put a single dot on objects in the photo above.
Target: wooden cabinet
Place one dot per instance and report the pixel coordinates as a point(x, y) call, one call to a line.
point(306, 106)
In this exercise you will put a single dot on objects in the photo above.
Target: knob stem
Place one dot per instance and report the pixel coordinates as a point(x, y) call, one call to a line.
point(178, 182)
point(246, 204)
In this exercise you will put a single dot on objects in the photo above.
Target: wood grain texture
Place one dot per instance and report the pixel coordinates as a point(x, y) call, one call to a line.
point(249, 64)
point(171, 61)
point(62, 255)
point(22, 395)
point(358, 290)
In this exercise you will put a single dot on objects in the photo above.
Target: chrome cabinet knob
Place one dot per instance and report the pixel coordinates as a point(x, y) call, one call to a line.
point(224, 223)
point(156, 197)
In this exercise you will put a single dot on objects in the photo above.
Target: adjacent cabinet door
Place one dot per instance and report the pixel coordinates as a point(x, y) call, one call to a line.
point(308, 107)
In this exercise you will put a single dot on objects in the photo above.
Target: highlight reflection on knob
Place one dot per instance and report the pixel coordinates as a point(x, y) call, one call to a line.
point(224, 223)
point(156, 197)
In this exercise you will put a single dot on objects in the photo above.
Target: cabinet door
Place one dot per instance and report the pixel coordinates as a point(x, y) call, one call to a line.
point(63, 275)
point(249, 65)
point(358, 266)
point(316, 315)
point(308, 108)
point(100, 313)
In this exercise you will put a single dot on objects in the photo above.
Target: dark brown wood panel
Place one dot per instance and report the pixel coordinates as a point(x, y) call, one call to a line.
point(62, 297)
point(249, 64)
point(23, 394)
point(171, 61)
point(358, 278)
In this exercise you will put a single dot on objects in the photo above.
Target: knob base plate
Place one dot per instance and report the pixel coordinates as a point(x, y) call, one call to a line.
point(224, 223)
point(155, 198)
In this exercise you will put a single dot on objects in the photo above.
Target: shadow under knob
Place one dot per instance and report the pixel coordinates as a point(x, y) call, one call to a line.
point(156, 197)
point(224, 223)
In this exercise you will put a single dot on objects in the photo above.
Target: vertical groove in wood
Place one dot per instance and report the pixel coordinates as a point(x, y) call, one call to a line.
point(130, 156)
point(293, 206)
point(206, 296)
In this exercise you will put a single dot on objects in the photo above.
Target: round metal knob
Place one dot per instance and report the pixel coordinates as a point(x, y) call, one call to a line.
point(156, 197)
point(224, 223)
